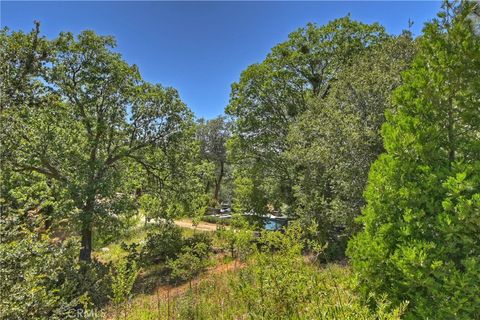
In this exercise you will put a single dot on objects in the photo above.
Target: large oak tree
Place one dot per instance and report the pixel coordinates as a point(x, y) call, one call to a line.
point(271, 95)
point(78, 116)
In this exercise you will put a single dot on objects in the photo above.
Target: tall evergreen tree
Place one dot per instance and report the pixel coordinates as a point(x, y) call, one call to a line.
point(421, 240)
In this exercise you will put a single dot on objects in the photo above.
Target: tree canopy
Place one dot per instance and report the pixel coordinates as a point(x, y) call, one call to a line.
point(273, 94)
point(90, 120)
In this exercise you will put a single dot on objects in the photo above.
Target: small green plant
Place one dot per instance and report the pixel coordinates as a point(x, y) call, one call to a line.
point(192, 260)
point(122, 281)
point(162, 244)
point(239, 242)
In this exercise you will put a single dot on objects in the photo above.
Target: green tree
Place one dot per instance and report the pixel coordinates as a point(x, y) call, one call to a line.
point(90, 121)
point(420, 241)
point(213, 135)
point(336, 140)
point(273, 94)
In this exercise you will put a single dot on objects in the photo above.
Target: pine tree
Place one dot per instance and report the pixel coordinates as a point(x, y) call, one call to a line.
point(421, 237)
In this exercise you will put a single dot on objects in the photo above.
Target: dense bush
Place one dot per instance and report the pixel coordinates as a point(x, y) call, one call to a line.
point(422, 219)
point(190, 262)
point(216, 220)
point(165, 242)
point(192, 259)
point(43, 279)
point(199, 238)
point(279, 285)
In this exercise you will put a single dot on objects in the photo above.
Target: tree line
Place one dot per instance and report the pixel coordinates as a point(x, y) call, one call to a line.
point(370, 141)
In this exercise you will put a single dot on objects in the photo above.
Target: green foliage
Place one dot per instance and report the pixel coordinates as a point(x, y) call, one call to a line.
point(212, 135)
point(87, 143)
point(82, 122)
point(336, 140)
point(279, 284)
point(197, 238)
point(271, 95)
point(122, 280)
point(162, 244)
point(239, 241)
point(30, 266)
point(420, 241)
point(216, 220)
point(248, 196)
point(275, 283)
point(180, 257)
point(192, 260)
point(41, 278)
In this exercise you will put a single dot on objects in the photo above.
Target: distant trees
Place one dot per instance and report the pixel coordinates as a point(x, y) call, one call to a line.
point(334, 142)
point(307, 122)
point(213, 135)
point(80, 124)
point(271, 95)
point(422, 219)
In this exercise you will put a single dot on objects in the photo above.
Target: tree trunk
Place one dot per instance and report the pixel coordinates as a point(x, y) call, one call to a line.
point(86, 241)
point(86, 249)
point(218, 182)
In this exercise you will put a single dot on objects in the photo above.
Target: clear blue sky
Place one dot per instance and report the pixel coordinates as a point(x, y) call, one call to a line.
point(200, 48)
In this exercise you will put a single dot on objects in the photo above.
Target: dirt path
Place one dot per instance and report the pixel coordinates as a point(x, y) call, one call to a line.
point(202, 226)
point(171, 291)
point(167, 292)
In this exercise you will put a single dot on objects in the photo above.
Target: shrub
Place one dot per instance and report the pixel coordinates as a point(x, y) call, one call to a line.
point(238, 241)
point(189, 263)
point(165, 243)
point(43, 279)
point(276, 282)
point(88, 279)
point(122, 282)
point(216, 220)
point(198, 238)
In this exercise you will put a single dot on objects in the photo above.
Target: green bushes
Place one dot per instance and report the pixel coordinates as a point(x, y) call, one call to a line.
point(216, 220)
point(276, 282)
point(122, 282)
point(162, 244)
point(199, 238)
point(237, 241)
point(279, 283)
point(421, 224)
point(182, 257)
point(192, 260)
point(43, 279)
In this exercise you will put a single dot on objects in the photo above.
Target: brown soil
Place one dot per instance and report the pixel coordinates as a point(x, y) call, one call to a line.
point(201, 226)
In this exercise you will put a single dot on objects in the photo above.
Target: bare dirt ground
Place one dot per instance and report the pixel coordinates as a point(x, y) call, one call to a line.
point(202, 226)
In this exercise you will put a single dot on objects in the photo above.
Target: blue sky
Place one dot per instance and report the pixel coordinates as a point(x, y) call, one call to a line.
point(200, 48)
